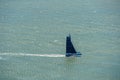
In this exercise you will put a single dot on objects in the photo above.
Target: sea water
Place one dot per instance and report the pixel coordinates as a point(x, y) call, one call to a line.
point(33, 33)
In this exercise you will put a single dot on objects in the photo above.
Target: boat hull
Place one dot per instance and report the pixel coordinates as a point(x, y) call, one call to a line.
point(73, 54)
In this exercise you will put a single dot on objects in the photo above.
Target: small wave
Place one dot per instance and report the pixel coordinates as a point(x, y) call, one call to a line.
point(26, 54)
point(1, 58)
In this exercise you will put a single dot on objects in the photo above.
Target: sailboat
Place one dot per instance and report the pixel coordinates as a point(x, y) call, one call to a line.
point(70, 50)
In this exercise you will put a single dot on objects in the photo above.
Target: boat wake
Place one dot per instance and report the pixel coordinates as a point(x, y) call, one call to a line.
point(26, 54)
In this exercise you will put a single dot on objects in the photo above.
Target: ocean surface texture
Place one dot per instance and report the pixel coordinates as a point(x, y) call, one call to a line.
point(33, 34)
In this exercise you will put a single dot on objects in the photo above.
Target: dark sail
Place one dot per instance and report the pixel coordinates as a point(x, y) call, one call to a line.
point(69, 46)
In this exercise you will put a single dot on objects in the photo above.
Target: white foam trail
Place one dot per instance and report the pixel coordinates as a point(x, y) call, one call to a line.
point(26, 54)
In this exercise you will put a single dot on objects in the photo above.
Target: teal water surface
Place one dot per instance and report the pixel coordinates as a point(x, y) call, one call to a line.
point(33, 32)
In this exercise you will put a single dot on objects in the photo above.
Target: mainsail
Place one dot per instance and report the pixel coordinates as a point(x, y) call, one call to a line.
point(69, 46)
